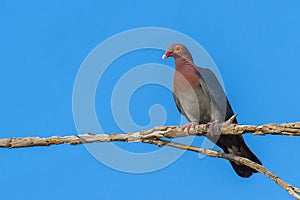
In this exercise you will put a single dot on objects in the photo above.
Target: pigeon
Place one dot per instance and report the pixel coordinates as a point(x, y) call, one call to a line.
point(201, 99)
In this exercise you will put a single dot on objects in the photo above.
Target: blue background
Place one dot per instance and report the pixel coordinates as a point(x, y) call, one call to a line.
point(255, 44)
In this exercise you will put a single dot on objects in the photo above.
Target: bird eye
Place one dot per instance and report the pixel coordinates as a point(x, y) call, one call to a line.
point(177, 49)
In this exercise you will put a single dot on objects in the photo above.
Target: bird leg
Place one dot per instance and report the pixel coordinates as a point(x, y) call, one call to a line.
point(188, 127)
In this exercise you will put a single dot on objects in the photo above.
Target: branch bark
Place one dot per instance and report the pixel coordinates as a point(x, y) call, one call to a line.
point(155, 135)
point(227, 128)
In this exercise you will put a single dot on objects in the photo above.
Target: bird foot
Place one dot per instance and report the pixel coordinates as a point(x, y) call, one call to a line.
point(213, 127)
point(186, 128)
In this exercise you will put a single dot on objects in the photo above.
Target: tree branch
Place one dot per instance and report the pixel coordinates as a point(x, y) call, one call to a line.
point(227, 128)
point(154, 135)
point(294, 191)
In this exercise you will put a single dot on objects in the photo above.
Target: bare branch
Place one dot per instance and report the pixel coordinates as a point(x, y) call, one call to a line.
point(288, 129)
point(154, 135)
point(295, 192)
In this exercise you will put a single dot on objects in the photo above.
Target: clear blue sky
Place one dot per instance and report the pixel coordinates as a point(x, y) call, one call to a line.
point(256, 46)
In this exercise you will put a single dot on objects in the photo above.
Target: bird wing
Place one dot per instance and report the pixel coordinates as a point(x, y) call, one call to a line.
point(178, 105)
point(218, 97)
point(177, 102)
point(233, 144)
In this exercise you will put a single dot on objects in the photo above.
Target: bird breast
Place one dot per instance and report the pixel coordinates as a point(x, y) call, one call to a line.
point(194, 103)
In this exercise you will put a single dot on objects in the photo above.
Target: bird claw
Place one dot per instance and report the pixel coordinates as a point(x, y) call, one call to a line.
point(186, 128)
point(213, 127)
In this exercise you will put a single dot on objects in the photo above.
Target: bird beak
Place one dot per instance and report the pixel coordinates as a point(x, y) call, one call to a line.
point(166, 55)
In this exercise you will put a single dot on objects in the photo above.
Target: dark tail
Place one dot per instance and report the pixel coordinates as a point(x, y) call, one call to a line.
point(236, 145)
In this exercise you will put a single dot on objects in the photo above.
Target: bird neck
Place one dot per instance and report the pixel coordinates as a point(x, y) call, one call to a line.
point(185, 71)
point(182, 62)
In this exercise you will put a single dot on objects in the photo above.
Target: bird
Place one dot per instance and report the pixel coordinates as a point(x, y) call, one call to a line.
point(201, 99)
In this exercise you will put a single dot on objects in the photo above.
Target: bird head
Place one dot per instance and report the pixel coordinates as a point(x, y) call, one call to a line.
point(177, 50)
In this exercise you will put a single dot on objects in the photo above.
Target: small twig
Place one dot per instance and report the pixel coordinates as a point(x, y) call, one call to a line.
point(230, 120)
